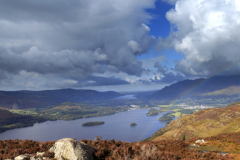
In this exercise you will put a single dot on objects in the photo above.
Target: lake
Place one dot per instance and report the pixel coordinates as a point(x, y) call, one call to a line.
point(116, 127)
point(125, 97)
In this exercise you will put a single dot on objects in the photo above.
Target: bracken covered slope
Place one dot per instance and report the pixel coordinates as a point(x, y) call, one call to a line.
point(204, 123)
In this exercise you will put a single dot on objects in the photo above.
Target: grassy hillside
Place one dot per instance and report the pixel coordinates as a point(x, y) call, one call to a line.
point(204, 123)
point(70, 111)
point(229, 91)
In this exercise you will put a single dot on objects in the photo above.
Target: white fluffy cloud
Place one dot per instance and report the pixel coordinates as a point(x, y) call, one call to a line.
point(73, 39)
point(207, 32)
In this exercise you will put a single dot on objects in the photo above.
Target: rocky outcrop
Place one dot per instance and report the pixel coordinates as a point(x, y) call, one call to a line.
point(71, 149)
point(31, 157)
point(63, 149)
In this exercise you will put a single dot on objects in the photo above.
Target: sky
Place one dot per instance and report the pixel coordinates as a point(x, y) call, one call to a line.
point(119, 45)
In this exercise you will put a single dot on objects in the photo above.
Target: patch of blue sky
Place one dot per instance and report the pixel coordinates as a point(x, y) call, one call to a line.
point(159, 25)
point(171, 57)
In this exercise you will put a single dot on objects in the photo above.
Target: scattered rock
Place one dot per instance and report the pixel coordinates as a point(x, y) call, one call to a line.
point(22, 157)
point(68, 148)
point(200, 141)
point(35, 158)
point(194, 145)
point(40, 153)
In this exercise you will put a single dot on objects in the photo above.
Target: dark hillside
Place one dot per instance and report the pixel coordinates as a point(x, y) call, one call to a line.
point(9, 120)
point(33, 99)
point(194, 88)
point(5, 114)
point(176, 90)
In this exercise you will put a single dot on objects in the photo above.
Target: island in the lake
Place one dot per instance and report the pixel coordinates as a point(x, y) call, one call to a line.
point(133, 124)
point(95, 123)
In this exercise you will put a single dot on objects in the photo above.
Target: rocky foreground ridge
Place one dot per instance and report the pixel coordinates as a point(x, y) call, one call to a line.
point(70, 149)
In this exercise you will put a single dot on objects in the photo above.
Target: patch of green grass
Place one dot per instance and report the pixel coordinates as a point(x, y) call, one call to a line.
point(24, 112)
point(70, 111)
point(10, 126)
point(206, 148)
point(176, 114)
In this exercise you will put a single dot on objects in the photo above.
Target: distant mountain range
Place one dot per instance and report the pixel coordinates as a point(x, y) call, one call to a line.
point(35, 99)
point(214, 86)
point(217, 86)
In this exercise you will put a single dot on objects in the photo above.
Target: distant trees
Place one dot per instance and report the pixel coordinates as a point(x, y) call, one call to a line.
point(20, 121)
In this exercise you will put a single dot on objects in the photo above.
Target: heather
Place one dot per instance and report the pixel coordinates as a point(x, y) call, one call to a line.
point(162, 149)
point(13, 148)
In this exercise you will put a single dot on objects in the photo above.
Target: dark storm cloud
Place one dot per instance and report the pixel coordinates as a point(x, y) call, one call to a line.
point(73, 39)
point(42, 11)
point(64, 62)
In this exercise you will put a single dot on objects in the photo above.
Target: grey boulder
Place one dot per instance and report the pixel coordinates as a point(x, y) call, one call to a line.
point(71, 149)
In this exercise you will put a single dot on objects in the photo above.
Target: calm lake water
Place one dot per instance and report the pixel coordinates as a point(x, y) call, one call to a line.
point(125, 97)
point(116, 127)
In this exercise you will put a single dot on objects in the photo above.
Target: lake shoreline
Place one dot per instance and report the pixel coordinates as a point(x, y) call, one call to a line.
point(108, 131)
